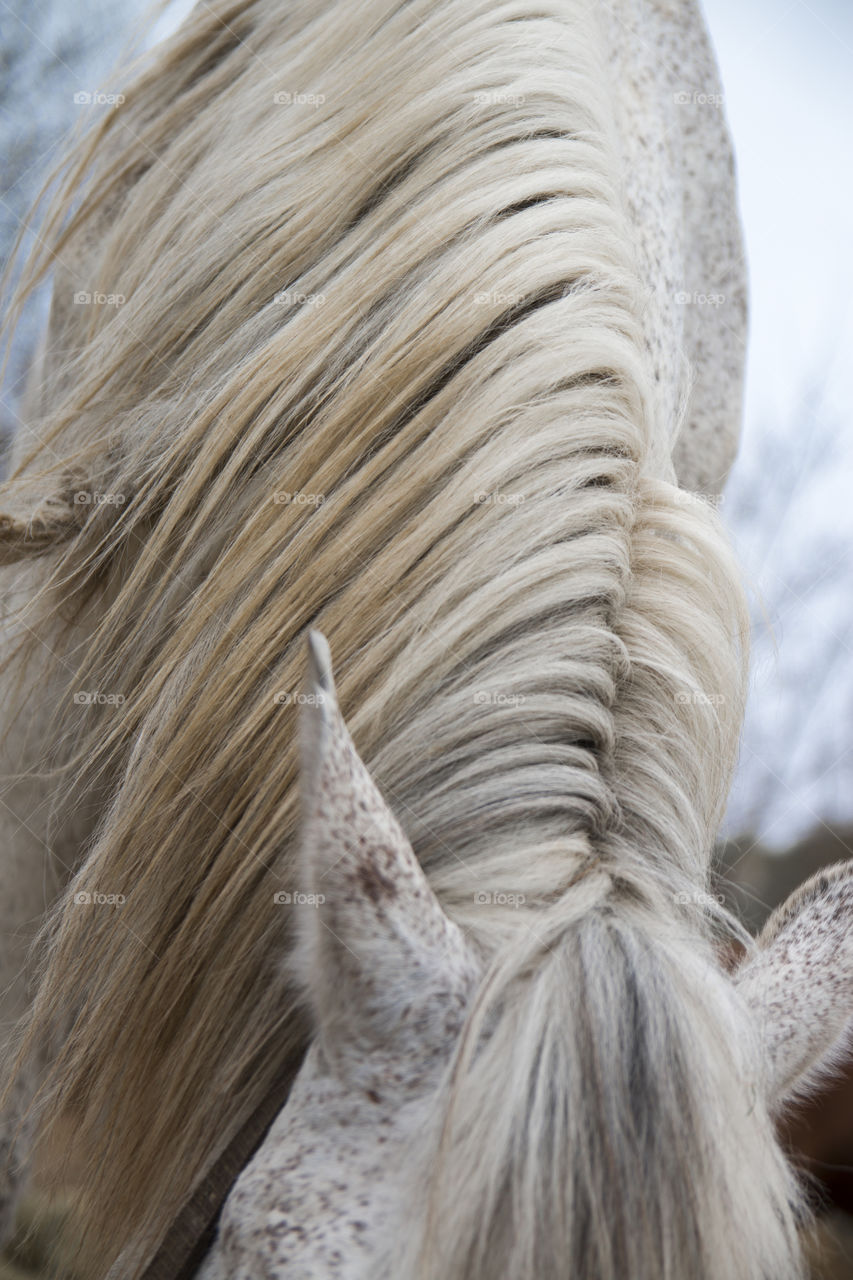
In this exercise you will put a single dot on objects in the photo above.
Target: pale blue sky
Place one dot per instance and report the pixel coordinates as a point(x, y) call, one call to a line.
point(787, 69)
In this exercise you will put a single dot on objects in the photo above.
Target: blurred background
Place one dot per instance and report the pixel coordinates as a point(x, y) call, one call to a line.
point(785, 69)
point(788, 96)
point(789, 99)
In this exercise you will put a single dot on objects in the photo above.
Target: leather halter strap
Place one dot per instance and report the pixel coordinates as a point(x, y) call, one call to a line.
point(192, 1232)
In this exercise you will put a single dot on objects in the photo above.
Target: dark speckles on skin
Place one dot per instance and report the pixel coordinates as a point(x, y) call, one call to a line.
point(374, 883)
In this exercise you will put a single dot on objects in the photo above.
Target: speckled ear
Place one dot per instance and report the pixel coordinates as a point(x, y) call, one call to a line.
point(800, 981)
point(377, 954)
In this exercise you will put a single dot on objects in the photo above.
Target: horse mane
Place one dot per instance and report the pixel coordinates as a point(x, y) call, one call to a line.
point(594, 1126)
point(378, 370)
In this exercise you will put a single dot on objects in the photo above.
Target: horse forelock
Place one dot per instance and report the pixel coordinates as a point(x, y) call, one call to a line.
point(629, 1135)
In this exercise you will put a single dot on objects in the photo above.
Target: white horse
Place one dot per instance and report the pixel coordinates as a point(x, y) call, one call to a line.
point(344, 1173)
point(421, 325)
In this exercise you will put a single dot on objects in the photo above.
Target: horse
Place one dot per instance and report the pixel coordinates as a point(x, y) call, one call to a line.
point(409, 335)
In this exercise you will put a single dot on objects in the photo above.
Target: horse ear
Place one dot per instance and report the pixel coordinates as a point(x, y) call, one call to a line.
point(799, 982)
point(376, 953)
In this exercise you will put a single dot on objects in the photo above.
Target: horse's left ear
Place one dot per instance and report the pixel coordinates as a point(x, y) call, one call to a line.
point(799, 982)
point(381, 961)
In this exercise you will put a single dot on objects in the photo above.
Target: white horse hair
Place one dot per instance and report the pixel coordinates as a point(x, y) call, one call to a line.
point(410, 347)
